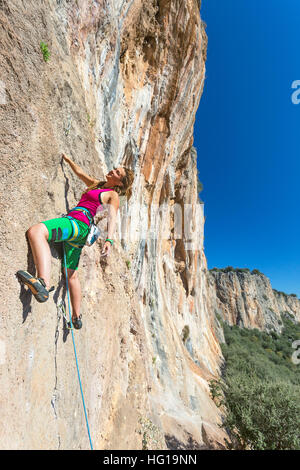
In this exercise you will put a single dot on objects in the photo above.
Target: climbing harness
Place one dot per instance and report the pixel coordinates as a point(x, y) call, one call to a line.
point(94, 232)
point(73, 339)
point(85, 210)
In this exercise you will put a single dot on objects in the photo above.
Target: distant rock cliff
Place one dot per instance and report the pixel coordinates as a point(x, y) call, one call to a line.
point(248, 300)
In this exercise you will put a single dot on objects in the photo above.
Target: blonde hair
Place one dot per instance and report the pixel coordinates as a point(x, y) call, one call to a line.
point(125, 190)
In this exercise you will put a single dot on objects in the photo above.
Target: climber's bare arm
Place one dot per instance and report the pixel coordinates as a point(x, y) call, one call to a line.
point(88, 180)
point(112, 206)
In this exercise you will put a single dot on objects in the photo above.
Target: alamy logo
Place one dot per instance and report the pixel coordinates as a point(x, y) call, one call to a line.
point(2, 93)
point(296, 354)
point(296, 95)
point(167, 222)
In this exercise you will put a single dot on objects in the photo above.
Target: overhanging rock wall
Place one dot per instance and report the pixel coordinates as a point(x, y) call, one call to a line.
point(122, 86)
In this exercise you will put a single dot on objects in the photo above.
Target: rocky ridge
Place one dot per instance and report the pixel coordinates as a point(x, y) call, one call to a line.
point(247, 299)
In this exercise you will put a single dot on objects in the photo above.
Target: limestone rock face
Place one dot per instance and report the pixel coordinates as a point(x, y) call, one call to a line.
point(122, 86)
point(248, 300)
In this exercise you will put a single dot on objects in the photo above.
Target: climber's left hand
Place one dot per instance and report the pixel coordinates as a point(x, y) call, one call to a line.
point(106, 249)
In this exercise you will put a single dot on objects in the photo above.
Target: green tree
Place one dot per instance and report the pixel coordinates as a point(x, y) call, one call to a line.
point(260, 387)
point(261, 415)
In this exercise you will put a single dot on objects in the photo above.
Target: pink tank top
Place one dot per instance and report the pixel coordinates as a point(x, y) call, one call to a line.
point(91, 201)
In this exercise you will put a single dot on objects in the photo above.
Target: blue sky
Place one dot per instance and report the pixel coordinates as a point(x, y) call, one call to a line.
point(247, 136)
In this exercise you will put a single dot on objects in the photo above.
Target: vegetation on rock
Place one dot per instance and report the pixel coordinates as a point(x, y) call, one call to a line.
point(260, 388)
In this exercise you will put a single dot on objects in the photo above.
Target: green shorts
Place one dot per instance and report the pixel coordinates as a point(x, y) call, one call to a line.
point(71, 231)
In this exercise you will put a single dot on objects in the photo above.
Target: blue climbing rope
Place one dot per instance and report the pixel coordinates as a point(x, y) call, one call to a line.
point(78, 373)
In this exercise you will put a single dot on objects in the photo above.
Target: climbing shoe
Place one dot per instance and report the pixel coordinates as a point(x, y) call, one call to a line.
point(77, 323)
point(36, 285)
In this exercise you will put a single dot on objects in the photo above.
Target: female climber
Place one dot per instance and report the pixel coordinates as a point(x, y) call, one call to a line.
point(73, 230)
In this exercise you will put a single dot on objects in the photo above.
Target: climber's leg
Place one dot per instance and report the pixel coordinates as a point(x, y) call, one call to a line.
point(39, 285)
point(75, 297)
point(38, 235)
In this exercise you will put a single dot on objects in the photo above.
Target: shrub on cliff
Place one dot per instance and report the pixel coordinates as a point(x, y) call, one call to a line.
point(45, 51)
point(261, 415)
point(257, 272)
point(230, 269)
